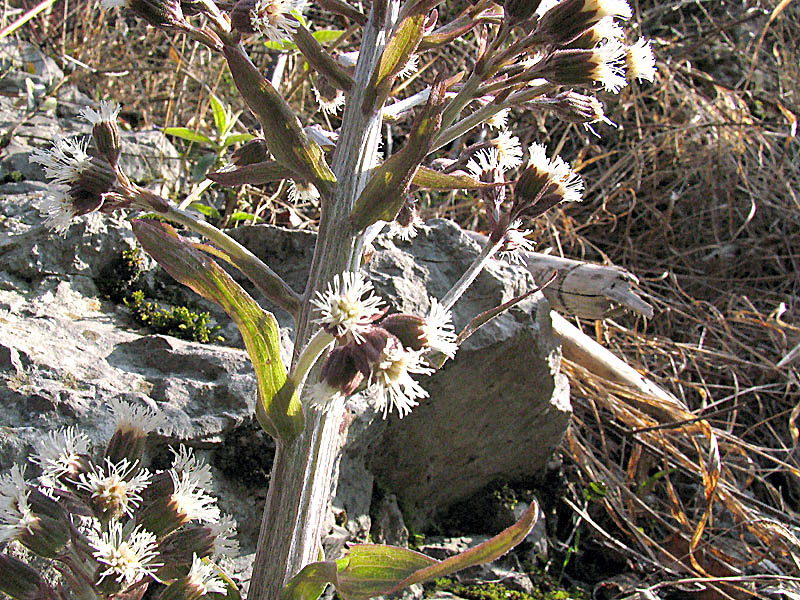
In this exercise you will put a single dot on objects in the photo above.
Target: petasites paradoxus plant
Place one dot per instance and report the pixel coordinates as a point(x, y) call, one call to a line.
point(536, 56)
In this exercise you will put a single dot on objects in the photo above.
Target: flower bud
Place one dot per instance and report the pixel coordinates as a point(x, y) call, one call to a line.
point(409, 329)
point(21, 581)
point(346, 367)
point(164, 14)
point(105, 130)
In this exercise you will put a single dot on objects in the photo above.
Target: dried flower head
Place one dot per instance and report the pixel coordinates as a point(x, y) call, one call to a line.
point(485, 165)
point(515, 241)
point(606, 29)
point(348, 306)
point(435, 332)
point(331, 102)
point(128, 557)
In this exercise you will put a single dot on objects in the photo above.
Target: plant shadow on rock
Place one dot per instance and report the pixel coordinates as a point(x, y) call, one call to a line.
point(246, 455)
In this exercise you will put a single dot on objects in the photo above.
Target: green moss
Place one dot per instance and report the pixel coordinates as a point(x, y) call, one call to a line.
point(177, 321)
point(121, 282)
point(543, 590)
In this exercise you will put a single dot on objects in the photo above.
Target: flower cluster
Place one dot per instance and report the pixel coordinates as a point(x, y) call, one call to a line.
point(111, 524)
point(85, 173)
point(373, 351)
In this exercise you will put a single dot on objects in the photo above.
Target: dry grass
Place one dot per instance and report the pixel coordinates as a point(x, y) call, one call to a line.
point(696, 193)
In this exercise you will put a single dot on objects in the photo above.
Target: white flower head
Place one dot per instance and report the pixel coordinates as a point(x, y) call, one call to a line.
point(58, 209)
point(65, 161)
point(226, 545)
point(406, 231)
point(499, 119)
point(115, 487)
point(411, 67)
point(607, 29)
point(301, 192)
point(185, 461)
point(16, 516)
point(274, 19)
point(509, 150)
point(485, 164)
point(641, 61)
point(190, 500)
point(138, 419)
point(567, 183)
point(330, 106)
point(347, 306)
point(203, 577)
point(59, 452)
point(109, 110)
point(609, 70)
point(439, 330)
point(516, 241)
point(391, 382)
point(324, 397)
point(128, 557)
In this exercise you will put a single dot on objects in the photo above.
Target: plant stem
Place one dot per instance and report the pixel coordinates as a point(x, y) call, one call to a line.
point(302, 472)
point(451, 297)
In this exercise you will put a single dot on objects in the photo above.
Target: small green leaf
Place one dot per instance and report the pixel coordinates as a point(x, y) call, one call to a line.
point(310, 582)
point(278, 408)
point(237, 138)
point(242, 216)
point(187, 134)
point(206, 210)
point(595, 491)
point(283, 46)
point(327, 35)
point(220, 114)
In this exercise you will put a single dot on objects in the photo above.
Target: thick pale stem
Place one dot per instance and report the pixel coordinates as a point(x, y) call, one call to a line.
point(301, 482)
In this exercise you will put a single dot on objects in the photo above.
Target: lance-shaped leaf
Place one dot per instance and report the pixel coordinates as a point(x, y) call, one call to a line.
point(278, 408)
point(385, 192)
point(254, 174)
point(373, 570)
point(320, 60)
point(431, 179)
point(284, 134)
point(395, 55)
